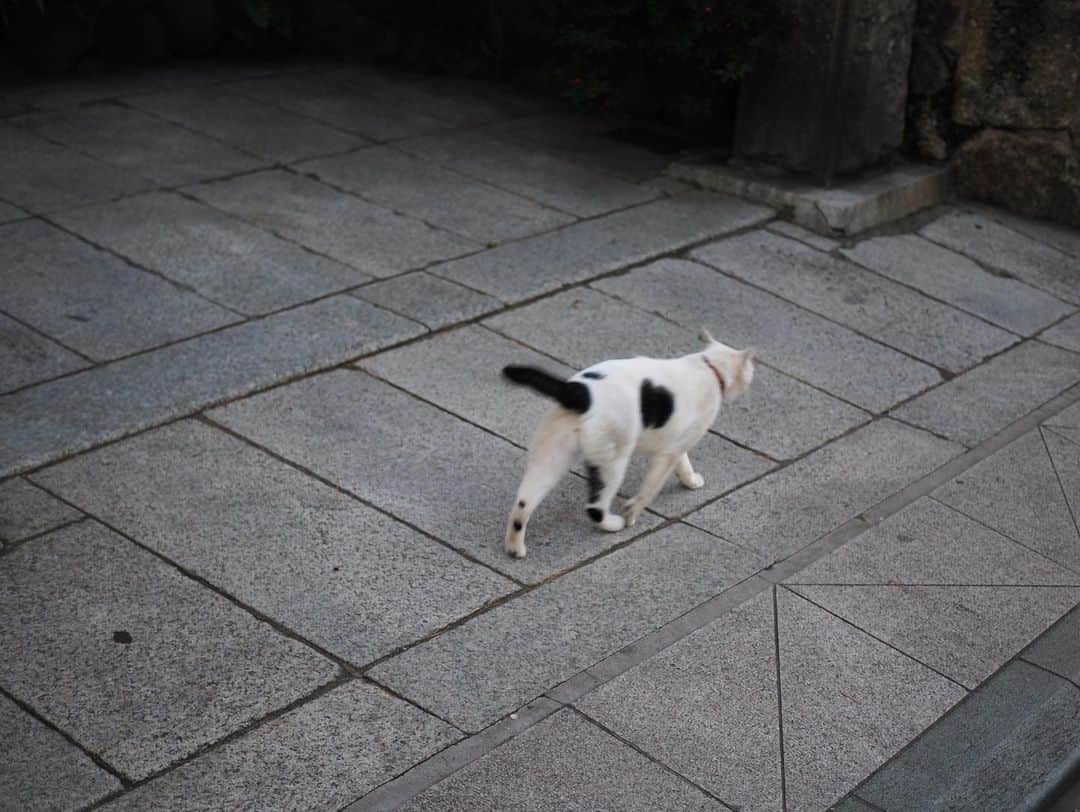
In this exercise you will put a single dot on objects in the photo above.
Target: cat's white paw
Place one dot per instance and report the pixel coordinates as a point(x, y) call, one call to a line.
point(515, 548)
point(633, 510)
point(695, 482)
point(613, 523)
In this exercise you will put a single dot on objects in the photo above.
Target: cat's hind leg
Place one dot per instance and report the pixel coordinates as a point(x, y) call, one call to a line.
point(551, 454)
point(604, 482)
point(685, 472)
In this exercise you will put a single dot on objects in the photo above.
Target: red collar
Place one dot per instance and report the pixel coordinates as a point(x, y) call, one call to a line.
point(716, 372)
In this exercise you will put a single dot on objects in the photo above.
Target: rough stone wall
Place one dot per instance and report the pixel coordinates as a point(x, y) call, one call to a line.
point(995, 88)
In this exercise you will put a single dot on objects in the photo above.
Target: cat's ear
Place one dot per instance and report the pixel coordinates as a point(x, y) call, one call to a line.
point(706, 336)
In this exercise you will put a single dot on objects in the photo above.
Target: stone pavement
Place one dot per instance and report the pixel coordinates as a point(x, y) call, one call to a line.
point(256, 459)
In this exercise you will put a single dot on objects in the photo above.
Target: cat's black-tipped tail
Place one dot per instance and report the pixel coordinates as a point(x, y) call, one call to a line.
point(572, 395)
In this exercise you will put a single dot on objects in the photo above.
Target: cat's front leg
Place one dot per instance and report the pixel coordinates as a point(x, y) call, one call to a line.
point(659, 468)
point(685, 472)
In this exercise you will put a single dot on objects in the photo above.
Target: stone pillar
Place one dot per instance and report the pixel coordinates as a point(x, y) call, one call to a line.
point(830, 96)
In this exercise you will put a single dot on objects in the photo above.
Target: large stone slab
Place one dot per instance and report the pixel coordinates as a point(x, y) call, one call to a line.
point(322, 99)
point(1064, 451)
point(461, 371)
point(320, 756)
point(990, 751)
point(43, 177)
point(367, 237)
point(432, 301)
point(783, 512)
point(850, 702)
point(27, 357)
point(338, 573)
point(428, 191)
point(928, 543)
point(958, 280)
point(1016, 492)
point(75, 413)
point(1066, 334)
point(251, 126)
point(707, 707)
point(26, 510)
point(964, 632)
point(563, 762)
point(447, 477)
point(224, 258)
point(841, 291)
point(92, 301)
point(1006, 250)
point(1063, 238)
point(40, 770)
point(546, 262)
point(498, 661)
point(781, 417)
point(787, 337)
point(137, 662)
point(978, 404)
point(130, 139)
point(533, 173)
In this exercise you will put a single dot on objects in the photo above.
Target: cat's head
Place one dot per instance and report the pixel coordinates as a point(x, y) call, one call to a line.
point(736, 367)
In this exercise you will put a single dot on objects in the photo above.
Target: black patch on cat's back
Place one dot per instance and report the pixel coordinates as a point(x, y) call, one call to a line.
point(593, 375)
point(657, 404)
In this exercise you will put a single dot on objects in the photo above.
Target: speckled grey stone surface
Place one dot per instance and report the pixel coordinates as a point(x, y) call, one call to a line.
point(1066, 334)
point(850, 295)
point(528, 171)
point(929, 543)
point(707, 707)
point(427, 467)
point(9, 213)
point(498, 661)
point(850, 702)
point(433, 193)
point(370, 238)
point(461, 371)
point(43, 177)
point(252, 126)
point(321, 98)
point(1058, 650)
point(780, 416)
point(958, 280)
point(40, 770)
point(196, 669)
point(26, 510)
point(805, 235)
point(224, 258)
point(27, 357)
point(1016, 492)
point(783, 512)
point(543, 263)
point(976, 405)
point(320, 756)
point(1065, 453)
point(74, 413)
point(159, 150)
point(795, 341)
point(964, 632)
point(1006, 250)
point(989, 751)
point(92, 301)
point(564, 762)
point(338, 573)
point(432, 301)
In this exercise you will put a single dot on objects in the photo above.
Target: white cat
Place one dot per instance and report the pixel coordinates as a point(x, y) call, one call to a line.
point(614, 409)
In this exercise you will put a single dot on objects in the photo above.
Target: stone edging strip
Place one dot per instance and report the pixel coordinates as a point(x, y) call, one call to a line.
point(397, 791)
